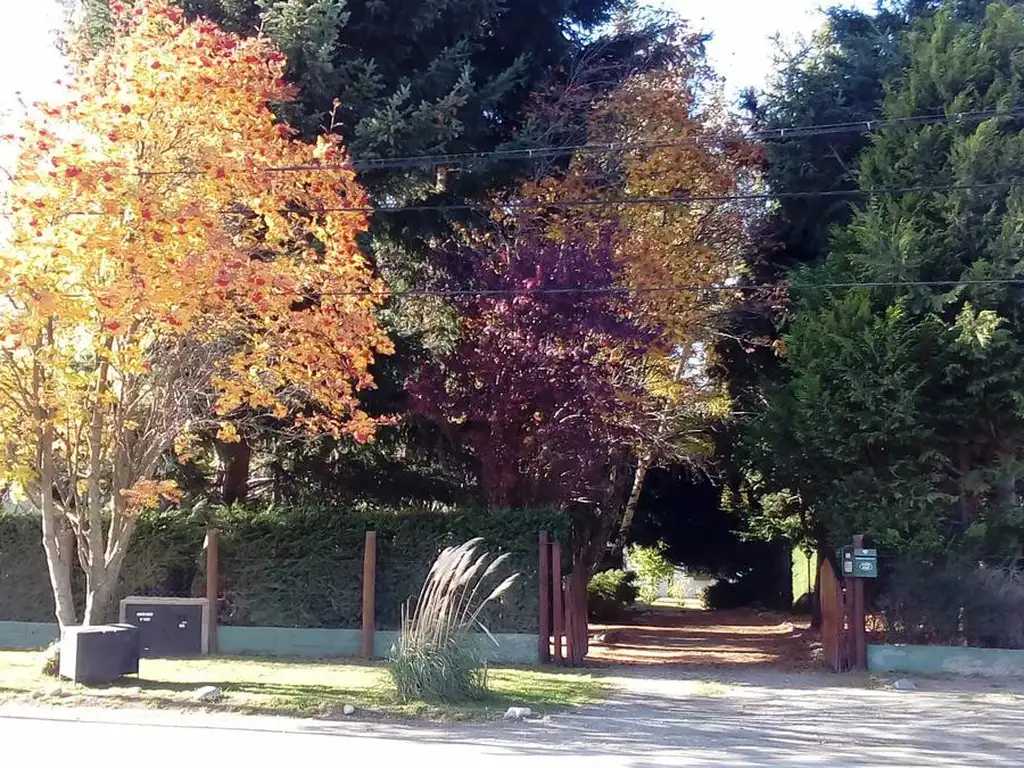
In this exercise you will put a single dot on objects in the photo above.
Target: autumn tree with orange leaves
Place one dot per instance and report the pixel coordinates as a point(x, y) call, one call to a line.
point(686, 147)
point(665, 136)
point(161, 275)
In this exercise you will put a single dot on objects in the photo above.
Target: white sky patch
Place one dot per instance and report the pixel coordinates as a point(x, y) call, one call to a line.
point(742, 49)
point(29, 61)
point(29, 58)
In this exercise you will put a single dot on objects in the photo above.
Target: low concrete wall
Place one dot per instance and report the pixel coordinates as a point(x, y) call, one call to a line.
point(321, 643)
point(26, 635)
point(937, 659)
point(283, 641)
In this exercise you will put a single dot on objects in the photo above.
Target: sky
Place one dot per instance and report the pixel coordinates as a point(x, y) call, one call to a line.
point(740, 49)
point(29, 62)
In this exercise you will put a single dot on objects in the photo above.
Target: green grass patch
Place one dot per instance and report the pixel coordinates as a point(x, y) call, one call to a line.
point(306, 688)
point(804, 569)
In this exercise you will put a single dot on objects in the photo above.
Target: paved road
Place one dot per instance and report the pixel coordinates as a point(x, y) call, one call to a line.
point(757, 721)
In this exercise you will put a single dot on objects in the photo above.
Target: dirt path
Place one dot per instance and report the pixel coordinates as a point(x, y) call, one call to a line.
point(742, 638)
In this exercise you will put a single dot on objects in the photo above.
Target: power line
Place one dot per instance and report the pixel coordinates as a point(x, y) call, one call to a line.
point(624, 201)
point(685, 288)
point(765, 135)
point(776, 134)
point(676, 200)
point(629, 290)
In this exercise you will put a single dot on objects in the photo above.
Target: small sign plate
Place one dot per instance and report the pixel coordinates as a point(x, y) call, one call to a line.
point(859, 563)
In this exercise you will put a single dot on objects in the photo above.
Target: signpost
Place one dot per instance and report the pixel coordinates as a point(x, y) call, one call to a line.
point(862, 564)
point(856, 563)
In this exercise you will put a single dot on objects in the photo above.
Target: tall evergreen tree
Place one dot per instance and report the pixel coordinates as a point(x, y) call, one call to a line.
point(837, 78)
point(903, 416)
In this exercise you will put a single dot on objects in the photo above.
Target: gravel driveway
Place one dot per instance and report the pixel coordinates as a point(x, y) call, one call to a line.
point(766, 719)
point(758, 719)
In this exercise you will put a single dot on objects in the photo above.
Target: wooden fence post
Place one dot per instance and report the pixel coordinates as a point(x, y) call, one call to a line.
point(212, 580)
point(570, 623)
point(557, 612)
point(544, 600)
point(369, 592)
point(581, 629)
point(858, 620)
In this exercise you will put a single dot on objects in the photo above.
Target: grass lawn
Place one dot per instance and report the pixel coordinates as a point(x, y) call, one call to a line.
point(312, 689)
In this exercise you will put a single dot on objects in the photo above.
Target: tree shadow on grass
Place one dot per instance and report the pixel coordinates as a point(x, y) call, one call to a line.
point(302, 699)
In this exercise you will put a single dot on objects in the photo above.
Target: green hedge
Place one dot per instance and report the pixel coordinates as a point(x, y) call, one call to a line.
point(292, 567)
point(24, 586)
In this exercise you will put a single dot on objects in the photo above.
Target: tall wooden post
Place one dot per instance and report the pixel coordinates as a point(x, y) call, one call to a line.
point(570, 623)
point(369, 592)
point(858, 621)
point(212, 581)
point(544, 600)
point(581, 646)
point(557, 612)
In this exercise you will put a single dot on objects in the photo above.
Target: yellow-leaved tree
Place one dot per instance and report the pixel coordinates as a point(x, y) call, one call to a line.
point(686, 147)
point(161, 272)
point(664, 134)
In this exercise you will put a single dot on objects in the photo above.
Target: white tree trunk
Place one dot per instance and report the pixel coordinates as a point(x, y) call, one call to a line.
point(97, 596)
point(639, 477)
point(57, 536)
point(101, 579)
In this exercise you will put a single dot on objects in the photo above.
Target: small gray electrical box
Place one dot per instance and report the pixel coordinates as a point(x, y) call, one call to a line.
point(100, 654)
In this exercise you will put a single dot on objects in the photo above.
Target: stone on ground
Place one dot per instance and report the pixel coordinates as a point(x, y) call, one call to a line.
point(208, 693)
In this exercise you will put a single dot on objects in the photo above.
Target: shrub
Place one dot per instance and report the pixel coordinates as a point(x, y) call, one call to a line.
point(51, 660)
point(955, 603)
point(610, 594)
point(436, 656)
point(919, 603)
point(652, 568)
point(724, 595)
point(994, 614)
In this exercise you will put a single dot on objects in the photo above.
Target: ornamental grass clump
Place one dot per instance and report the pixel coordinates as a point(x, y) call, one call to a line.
point(437, 655)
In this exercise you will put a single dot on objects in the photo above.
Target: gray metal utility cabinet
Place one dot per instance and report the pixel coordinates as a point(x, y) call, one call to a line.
point(100, 654)
point(169, 627)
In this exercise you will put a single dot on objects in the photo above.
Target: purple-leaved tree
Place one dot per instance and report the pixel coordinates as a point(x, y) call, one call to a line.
point(535, 390)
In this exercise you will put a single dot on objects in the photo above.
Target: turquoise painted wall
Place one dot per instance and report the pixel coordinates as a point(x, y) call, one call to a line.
point(282, 641)
point(26, 635)
point(320, 643)
point(943, 659)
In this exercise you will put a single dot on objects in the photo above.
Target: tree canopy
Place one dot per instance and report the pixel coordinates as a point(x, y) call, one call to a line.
point(901, 416)
point(160, 276)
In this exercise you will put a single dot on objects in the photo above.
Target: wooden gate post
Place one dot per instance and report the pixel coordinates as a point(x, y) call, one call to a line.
point(581, 642)
point(858, 620)
point(369, 593)
point(557, 612)
point(212, 580)
point(570, 624)
point(544, 600)
point(834, 609)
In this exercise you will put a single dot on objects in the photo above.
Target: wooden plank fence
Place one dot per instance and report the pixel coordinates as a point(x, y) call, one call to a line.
point(562, 622)
point(833, 617)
